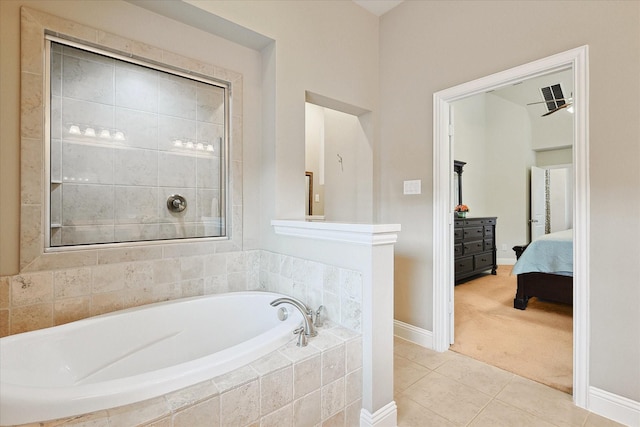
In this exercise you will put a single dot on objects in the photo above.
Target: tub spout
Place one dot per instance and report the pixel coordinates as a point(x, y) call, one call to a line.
point(309, 328)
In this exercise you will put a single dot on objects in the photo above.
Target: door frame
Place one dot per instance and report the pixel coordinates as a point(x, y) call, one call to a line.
point(443, 266)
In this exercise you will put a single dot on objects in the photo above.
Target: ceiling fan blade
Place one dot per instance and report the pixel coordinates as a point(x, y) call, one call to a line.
point(557, 109)
point(558, 99)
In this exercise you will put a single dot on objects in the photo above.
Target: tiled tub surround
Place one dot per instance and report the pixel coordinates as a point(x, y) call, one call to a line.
point(125, 137)
point(320, 384)
point(137, 354)
point(42, 299)
point(38, 300)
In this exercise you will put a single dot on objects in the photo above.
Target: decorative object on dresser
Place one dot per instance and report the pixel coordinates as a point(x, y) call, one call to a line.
point(474, 246)
point(461, 211)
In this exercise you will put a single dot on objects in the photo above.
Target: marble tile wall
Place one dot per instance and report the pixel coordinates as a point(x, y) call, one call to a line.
point(130, 277)
point(338, 290)
point(320, 384)
point(125, 137)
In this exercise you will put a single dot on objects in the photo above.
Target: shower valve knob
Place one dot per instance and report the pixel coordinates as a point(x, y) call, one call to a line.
point(176, 203)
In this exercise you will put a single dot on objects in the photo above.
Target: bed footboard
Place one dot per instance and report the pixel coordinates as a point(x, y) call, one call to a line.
point(545, 286)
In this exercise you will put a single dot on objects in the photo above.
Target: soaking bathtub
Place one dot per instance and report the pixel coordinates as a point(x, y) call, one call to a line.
point(135, 354)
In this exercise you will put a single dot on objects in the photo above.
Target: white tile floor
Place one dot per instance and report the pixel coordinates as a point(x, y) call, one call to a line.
point(449, 389)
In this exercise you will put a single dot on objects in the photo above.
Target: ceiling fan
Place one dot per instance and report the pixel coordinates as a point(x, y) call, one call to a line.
point(553, 99)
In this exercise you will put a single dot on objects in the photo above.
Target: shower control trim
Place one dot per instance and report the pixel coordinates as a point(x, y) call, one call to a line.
point(176, 203)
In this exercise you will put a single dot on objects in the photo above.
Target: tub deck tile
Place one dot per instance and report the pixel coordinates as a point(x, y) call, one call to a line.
point(296, 354)
point(271, 362)
point(241, 406)
point(205, 413)
point(94, 419)
point(326, 341)
point(163, 422)
point(306, 410)
point(283, 417)
point(276, 390)
point(307, 376)
point(235, 378)
point(343, 333)
point(139, 413)
point(191, 395)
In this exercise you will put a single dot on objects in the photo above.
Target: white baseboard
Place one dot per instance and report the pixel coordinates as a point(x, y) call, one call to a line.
point(414, 334)
point(506, 261)
point(614, 407)
point(387, 416)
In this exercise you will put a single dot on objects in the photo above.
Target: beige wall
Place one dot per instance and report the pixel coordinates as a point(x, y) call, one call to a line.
point(508, 159)
point(469, 146)
point(332, 48)
point(493, 135)
point(348, 175)
point(562, 156)
point(430, 46)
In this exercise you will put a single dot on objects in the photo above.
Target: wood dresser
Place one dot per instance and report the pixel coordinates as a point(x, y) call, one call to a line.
point(474, 246)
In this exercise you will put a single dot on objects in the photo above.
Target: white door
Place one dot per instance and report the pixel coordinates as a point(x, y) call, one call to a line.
point(560, 199)
point(537, 202)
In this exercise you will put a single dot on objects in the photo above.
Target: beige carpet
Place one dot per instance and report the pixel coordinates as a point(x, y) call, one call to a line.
point(536, 343)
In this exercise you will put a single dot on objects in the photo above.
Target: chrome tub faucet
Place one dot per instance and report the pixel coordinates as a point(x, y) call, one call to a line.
point(308, 318)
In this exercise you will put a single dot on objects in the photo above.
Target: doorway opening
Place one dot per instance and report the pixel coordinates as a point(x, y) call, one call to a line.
point(501, 136)
point(577, 61)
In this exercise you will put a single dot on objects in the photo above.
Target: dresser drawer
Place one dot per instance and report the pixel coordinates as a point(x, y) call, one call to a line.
point(472, 247)
point(464, 265)
point(457, 250)
point(488, 231)
point(458, 234)
point(478, 222)
point(473, 233)
point(483, 261)
point(488, 244)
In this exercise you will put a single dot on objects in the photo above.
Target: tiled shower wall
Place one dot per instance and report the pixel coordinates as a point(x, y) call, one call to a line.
point(37, 300)
point(123, 139)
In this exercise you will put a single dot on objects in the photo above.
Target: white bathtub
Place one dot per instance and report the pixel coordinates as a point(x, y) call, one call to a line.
point(135, 354)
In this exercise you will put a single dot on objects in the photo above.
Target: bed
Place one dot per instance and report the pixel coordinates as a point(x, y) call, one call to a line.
point(545, 269)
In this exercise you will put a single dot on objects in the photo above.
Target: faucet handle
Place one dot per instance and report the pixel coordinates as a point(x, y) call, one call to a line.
point(316, 316)
point(302, 337)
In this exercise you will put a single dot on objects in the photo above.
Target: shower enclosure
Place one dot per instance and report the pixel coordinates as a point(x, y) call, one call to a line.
point(138, 151)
